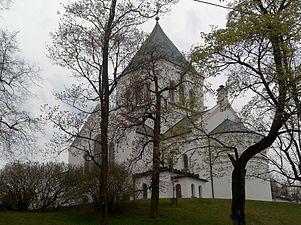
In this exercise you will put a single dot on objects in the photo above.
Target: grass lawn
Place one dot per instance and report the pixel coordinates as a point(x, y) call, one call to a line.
point(187, 212)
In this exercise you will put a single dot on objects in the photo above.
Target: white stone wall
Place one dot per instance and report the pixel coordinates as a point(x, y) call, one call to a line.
point(186, 183)
point(75, 157)
point(168, 186)
point(130, 145)
point(257, 189)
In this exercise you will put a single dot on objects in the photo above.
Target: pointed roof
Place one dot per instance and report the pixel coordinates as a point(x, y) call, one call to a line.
point(157, 46)
point(229, 126)
point(183, 127)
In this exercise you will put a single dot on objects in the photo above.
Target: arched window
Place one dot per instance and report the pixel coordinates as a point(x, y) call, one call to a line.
point(148, 91)
point(172, 91)
point(97, 149)
point(164, 104)
point(191, 93)
point(181, 92)
point(200, 191)
point(170, 162)
point(144, 191)
point(139, 97)
point(192, 190)
point(185, 161)
point(111, 152)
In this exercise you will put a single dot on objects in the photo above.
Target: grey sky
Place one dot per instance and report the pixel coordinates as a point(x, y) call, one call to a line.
point(34, 19)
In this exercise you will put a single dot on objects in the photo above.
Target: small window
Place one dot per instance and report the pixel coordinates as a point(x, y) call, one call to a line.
point(200, 191)
point(148, 91)
point(164, 104)
point(192, 190)
point(172, 91)
point(97, 149)
point(170, 163)
point(191, 93)
point(144, 191)
point(181, 93)
point(185, 161)
point(139, 98)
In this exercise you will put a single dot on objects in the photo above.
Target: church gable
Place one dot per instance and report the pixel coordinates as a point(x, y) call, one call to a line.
point(229, 126)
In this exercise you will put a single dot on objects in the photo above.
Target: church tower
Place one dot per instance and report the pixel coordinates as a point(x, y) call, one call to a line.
point(159, 60)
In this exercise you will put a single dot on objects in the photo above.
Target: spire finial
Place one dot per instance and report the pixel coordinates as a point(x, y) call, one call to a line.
point(158, 10)
point(222, 97)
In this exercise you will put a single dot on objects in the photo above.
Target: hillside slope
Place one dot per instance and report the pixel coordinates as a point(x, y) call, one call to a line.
point(187, 212)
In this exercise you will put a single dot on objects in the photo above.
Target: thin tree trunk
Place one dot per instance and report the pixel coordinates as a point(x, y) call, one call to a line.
point(155, 213)
point(105, 106)
point(103, 198)
point(155, 183)
point(104, 142)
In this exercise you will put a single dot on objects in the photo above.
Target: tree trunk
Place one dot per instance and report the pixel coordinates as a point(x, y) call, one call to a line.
point(238, 194)
point(156, 159)
point(103, 184)
point(105, 106)
point(155, 183)
point(103, 189)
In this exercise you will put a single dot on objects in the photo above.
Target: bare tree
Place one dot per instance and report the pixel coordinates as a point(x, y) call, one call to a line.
point(94, 41)
point(17, 127)
point(19, 182)
point(119, 188)
point(150, 100)
point(285, 158)
point(59, 185)
point(33, 185)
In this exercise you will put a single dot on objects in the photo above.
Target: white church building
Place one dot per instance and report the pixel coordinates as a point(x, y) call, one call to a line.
point(195, 140)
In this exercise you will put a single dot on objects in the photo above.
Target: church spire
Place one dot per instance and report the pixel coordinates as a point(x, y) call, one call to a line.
point(157, 45)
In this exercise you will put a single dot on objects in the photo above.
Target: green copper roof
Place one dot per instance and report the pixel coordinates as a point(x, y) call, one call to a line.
point(157, 46)
point(229, 126)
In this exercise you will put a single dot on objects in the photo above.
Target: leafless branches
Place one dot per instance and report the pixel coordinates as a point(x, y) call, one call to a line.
point(17, 127)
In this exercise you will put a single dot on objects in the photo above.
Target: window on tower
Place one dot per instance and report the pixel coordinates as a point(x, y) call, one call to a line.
point(172, 91)
point(181, 93)
point(185, 161)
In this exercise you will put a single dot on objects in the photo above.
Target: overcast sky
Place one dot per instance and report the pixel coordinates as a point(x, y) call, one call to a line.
point(35, 19)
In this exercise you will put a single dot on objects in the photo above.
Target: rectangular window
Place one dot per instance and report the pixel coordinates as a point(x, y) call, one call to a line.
point(185, 161)
point(181, 93)
point(172, 91)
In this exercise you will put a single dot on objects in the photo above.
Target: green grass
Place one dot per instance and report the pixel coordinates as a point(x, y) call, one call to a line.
point(187, 212)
